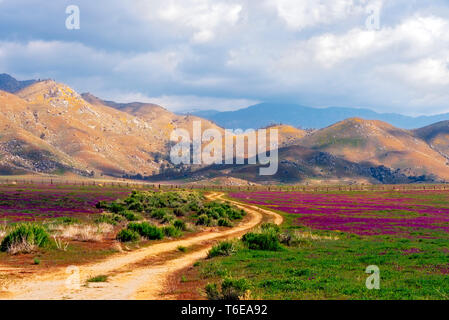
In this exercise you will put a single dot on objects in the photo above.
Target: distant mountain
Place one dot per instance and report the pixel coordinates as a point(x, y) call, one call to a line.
point(204, 113)
point(11, 85)
point(264, 114)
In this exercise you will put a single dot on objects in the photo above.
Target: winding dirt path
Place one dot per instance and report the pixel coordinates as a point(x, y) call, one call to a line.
point(140, 274)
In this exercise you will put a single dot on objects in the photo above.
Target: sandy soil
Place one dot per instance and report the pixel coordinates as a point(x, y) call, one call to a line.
point(140, 274)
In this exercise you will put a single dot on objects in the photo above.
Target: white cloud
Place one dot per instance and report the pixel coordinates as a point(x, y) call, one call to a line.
point(184, 103)
point(202, 18)
point(300, 14)
point(212, 53)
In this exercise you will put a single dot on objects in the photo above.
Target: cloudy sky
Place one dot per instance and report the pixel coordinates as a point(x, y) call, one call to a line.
point(227, 54)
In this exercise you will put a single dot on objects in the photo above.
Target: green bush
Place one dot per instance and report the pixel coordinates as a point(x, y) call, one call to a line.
point(68, 220)
point(167, 219)
point(204, 220)
point(159, 213)
point(136, 206)
point(181, 211)
point(127, 235)
point(172, 232)
point(112, 219)
point(179, 224)
point(147, 230)
point(116, 207)
point(262, 241)
point(224, 248)
point(130, 216)
point(270, 227)
point(235, 214)
point(100, 278)
point(212, 291)
point(102, 205)
point(30, 233)
point(212, 213)
point(231, 289)
point(224, 222)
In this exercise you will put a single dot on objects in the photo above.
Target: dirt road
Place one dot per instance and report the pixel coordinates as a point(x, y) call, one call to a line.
point(140, 274)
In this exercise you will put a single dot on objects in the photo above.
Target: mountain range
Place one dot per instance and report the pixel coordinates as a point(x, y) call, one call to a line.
point(264, 114)
point(46, 127)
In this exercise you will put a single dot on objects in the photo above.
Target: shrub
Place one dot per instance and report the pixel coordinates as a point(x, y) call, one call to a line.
point(172, 232)
point(204, 220)
point(101, 278)
point(126, 235)
point(179, 224)
point(224, 222)
point(182, 249)
point(159, 213)
point(224, 248)
point(270, 227)
point(136, 206)
point(167, 219)
point(262, 241)
point(68, 220)
point(111, 219)
point(147, 230)
point(102, 205)
point(231, 289)
point(213, 214)
point(212, 291)
point(235, 214)
point(180, 211)
point(116, 207)
point(26, 236)
point(130, 216)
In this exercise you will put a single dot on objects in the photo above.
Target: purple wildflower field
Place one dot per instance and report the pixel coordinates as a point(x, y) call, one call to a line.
point(39, 202)
point(379, 213)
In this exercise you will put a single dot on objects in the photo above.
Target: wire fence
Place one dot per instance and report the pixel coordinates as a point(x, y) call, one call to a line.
point(225, 188)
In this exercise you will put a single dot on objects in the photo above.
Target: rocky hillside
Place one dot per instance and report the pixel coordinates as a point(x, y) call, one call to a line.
point(379, 143)
point(47, 127)
point(437, 136)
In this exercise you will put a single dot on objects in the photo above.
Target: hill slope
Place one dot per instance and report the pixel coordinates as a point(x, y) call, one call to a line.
point(437, 136)
point(379, 143)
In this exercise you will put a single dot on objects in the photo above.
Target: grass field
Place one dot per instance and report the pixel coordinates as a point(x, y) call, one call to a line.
point(322, 250)
point(340, 234)
point(44, 225)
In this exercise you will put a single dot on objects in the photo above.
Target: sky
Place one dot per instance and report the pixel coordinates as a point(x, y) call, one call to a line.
point(386, 55)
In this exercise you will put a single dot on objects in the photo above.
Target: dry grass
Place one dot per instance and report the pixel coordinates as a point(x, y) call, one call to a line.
point(83, 232)
point(246, 296)
point(21, 247)
point(61, 245)
point(310, 236)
